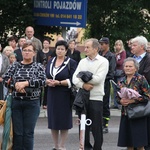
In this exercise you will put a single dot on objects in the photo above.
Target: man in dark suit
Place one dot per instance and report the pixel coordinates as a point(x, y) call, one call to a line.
point(138, 48)
point(72, 52)
point(4, 64)
point(18, 51)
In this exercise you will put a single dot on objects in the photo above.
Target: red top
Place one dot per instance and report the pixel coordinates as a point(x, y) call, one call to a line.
point(119, 60)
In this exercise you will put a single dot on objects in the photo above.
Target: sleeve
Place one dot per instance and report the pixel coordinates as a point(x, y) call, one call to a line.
point(112, 67)
point(144, 90)
point(100, 74)
point(73, 66)
point(76, 81)
point(7, 63)
point(9, 73)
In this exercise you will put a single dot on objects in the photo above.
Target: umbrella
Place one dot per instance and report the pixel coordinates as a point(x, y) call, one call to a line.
point(7, 131)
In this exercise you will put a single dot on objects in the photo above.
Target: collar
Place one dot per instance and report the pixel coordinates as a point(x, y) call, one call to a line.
point(96, 58)
point(28, 38)
point(139, 58)
point(66, 61)
point(123, 79)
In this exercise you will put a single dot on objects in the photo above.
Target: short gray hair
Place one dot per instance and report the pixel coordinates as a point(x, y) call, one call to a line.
point(141, 41)
point(136, 64)
point(95, 43)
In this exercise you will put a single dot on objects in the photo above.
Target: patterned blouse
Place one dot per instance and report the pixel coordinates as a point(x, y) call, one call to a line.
point(139, 84)
point(34, 73)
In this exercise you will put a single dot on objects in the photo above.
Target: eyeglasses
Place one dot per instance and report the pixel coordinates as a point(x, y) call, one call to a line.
point(27, 50)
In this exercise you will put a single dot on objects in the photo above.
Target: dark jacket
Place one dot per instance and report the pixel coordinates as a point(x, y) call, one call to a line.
point(112, 64)
point(82, 97)
point(75, 55)
point(18, 53)
point(145, 67)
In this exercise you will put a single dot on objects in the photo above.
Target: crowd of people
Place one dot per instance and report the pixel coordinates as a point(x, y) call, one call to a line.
point(43, 76)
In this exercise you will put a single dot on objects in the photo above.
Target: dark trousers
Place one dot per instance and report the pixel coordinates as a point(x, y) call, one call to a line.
point(148, 125)
point(106, 108)
point(24, 117)
point(45, 96)
point(1, 91)
point(94, 112)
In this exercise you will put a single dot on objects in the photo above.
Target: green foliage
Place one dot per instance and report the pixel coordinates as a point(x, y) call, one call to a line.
point(117, 19)
point(15, 16)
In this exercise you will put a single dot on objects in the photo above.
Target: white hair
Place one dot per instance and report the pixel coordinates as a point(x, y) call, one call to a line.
point(141, 41)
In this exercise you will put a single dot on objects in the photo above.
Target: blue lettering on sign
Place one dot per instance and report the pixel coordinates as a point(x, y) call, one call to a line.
point(60, 12)
point(67, 5)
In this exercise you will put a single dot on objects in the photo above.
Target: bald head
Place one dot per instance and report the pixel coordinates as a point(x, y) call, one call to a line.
point(60, 38)
point(29, 32)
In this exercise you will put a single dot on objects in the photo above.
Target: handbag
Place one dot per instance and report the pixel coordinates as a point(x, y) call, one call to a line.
point(73, 93)
point(138, 110)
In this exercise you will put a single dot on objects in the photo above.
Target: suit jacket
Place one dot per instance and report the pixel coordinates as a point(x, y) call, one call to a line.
point(75, 55)
point(18, 53)
point(37, 43)
point(144, 68)
point(5, 65)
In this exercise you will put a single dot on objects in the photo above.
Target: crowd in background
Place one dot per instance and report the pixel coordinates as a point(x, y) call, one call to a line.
point(59, 79)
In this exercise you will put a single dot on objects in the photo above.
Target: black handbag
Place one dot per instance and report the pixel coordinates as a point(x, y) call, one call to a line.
point(73, 93)
point(138, 110)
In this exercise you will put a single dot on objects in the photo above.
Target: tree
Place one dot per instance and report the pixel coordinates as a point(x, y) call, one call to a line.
point(118, 19)
point(15, 16)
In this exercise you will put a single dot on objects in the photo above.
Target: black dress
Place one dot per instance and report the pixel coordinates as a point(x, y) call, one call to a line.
point(58, 97)
point(133, 132)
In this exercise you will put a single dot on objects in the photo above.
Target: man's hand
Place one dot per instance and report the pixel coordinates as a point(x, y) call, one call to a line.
point(87, 86)
point(1, 79)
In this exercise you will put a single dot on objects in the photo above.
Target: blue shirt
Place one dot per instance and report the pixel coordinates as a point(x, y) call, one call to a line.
point(139, 58)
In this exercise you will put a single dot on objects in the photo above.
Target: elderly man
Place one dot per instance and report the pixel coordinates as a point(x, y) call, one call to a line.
point(138, 48)
point(30, 37)
point(95, 86)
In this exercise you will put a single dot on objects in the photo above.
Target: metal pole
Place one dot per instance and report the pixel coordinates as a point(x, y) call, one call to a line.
point(64, 32)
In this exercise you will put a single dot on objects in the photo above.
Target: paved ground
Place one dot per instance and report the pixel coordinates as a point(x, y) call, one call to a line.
point(43, 140)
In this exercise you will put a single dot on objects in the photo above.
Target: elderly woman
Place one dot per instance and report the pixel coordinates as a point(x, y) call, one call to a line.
point(59, 72)
point(133, 132)
point(8, 50)
point(27, 77)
